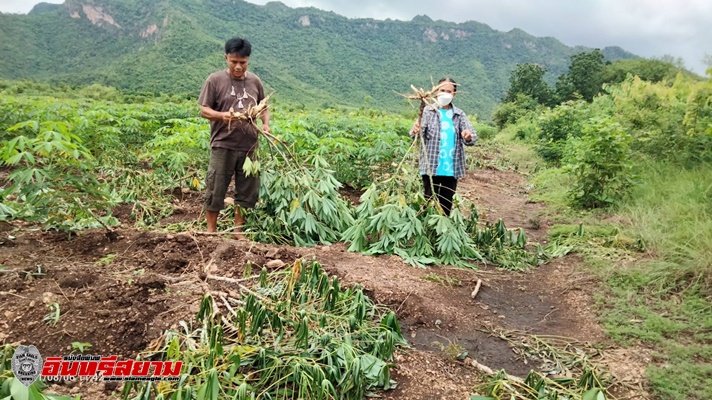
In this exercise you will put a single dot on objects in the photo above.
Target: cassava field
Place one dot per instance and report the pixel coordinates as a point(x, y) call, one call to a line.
point(576, 264)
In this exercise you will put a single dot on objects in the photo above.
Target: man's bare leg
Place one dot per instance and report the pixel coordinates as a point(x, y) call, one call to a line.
point(212, 220)
point(239, 222)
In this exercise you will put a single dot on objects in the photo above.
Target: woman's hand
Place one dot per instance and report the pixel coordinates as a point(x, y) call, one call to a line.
point(415, 129)
point(467, 135)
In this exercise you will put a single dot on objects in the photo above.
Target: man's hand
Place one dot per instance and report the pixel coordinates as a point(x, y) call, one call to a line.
point(467, 135)
point(266, 128)
point(228, 116)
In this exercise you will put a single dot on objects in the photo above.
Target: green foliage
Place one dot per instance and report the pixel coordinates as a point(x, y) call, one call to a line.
point(50, 177)
point(600, 163)
point(72, 161)
point(393, 218)
point(537, 386)
point(527, 131)
point(512, 112)
point(299, 206)
point(646, 69)
point(660, 299)
point(663, 131)
point(637, 119)
point(669, 312)
point(334, 52)
point(361, 146)
point(52, 317)
point(587, 77)
point(557, 127)
point(485, 132)
point(298, 334)
point(81, 346)
point(584, 79)
point(528, 79)
point(106, 154)
point(671, 210)
point(670, 123)
point(397, 222)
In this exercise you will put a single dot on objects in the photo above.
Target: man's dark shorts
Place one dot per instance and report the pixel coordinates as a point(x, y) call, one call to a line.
point(225, 163)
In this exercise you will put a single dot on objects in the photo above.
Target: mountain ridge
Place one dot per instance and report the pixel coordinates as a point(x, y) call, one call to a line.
point(309, 56)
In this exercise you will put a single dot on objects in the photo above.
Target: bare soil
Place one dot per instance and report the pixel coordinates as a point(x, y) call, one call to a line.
point(121, 295)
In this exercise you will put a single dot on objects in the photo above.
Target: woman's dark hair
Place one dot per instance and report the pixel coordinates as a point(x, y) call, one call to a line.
point(238, 46)
point(448, 79)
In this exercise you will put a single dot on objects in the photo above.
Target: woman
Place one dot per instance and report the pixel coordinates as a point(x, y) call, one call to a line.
point(445, 132)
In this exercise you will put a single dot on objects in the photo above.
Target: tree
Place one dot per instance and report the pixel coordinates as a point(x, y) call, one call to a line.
point(650, 70)
point(528, 79)
point(585, 77)
point(678, 62)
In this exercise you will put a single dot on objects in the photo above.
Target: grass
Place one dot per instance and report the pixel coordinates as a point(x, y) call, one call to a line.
point(672, 211)
point(521, 155)
point(503, 152)
point(661, 299)
point(442, 280)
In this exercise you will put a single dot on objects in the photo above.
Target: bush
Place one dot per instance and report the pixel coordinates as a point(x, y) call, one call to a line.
point(510, 113)
point(527, 130)
point(558, 126)
point(485, 132)
point(600, 162)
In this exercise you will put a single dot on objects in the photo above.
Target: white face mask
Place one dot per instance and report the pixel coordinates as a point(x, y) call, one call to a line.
point(444, 99)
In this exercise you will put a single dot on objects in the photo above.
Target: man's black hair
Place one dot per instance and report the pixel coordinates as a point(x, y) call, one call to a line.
point(238, 46)
point(448, 79)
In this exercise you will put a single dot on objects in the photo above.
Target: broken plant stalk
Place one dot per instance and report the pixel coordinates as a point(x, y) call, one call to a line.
point(251, 115)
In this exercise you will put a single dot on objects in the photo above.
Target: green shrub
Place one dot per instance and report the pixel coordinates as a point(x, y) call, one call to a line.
point(600, 162)
point(510, 113)
point(485, 132)
point(557, 126)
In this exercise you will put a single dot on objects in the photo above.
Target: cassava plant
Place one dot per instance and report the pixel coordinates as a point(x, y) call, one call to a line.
point(51, 180)
point(292, 334)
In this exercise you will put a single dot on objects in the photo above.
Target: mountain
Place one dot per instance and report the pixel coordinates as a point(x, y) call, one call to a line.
point(307, 56)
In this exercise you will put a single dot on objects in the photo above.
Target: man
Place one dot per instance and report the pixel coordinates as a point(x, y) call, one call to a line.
point(231, 141)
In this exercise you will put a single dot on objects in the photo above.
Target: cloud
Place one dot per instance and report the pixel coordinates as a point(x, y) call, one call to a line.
point(22, 6)
point(649, 28)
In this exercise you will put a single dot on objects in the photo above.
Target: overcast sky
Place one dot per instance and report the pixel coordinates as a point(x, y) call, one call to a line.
point(649, 28)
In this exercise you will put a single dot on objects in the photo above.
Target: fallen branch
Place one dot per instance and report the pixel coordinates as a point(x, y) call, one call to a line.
point(12, 294)
point(225, 232)
point(403, 302)
point(489, 371)
point(227, 297)
point(477, 288)
point(241, 286)
point(231, 280)
point(227, 305)
point(228, 324)
point(175, 279)
point(111, 234)
point(207, 267)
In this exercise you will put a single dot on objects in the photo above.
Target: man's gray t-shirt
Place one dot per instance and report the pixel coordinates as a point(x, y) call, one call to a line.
point(220, 92)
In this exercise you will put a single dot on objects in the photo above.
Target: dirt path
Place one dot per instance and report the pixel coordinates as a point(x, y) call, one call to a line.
point(121, 295)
